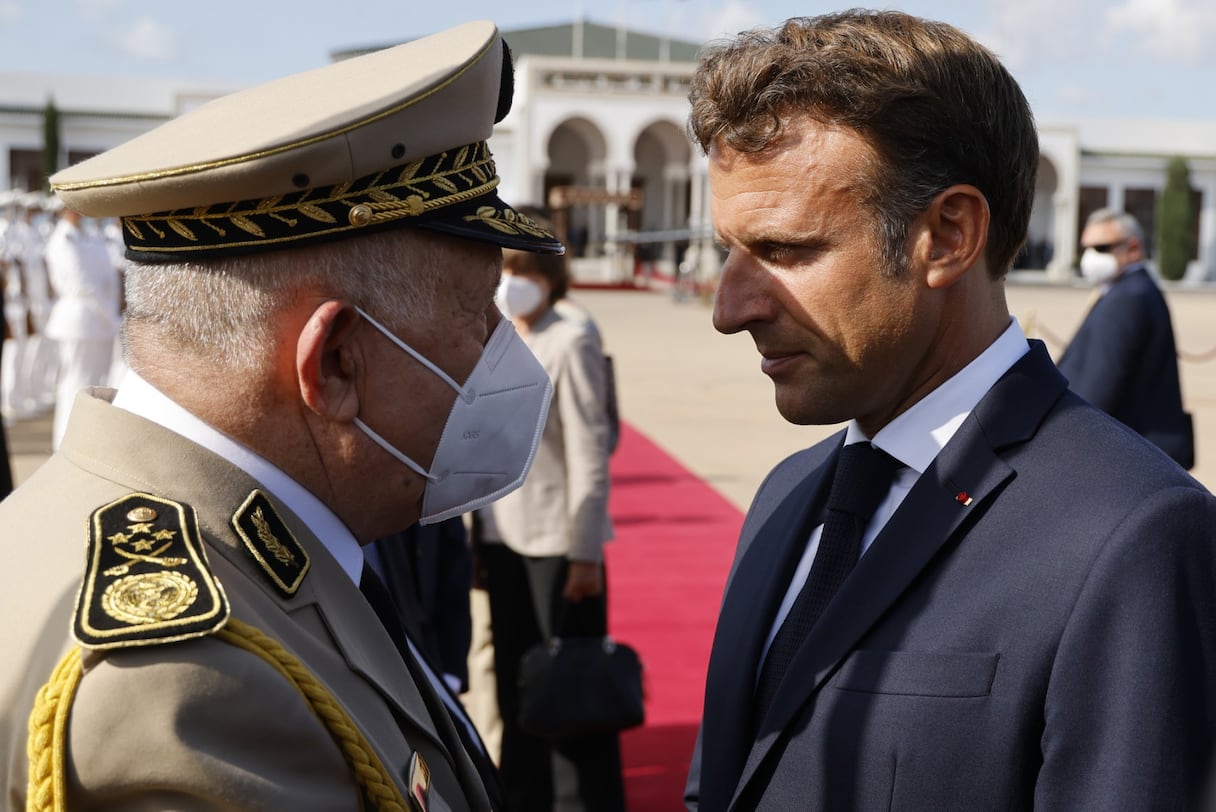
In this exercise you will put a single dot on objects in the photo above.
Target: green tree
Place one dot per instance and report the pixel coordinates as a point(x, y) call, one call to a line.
point(50, 141)
point(1175, 239)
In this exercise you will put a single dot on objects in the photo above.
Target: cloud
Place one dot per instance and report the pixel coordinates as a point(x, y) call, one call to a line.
point(11, 11)
point(1029, 33)
point(1174, 30)
point(148, 40)
point(1078, 96)
point(727, 19)
point(98, 8)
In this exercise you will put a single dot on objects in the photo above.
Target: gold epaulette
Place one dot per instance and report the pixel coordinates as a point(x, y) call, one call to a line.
point(146, 580)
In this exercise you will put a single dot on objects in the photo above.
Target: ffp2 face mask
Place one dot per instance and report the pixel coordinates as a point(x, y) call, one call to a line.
point(518, 296)
point(493, 429)
point(1098, 267)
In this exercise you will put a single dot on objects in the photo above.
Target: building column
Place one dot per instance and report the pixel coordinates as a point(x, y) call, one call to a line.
point(1064, 239)
point(597, 177)
point(702, 257)
point(671, 215)
point(617, 182)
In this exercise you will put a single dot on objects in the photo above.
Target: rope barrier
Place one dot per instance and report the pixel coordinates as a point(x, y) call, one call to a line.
point(1033, 329)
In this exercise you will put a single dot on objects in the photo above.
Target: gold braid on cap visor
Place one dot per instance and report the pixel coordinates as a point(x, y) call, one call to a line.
point(414, 190)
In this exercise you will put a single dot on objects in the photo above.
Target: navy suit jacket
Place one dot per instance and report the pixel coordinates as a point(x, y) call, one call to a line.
point(1123, 360)
point(429, 572)
point(1049, 644)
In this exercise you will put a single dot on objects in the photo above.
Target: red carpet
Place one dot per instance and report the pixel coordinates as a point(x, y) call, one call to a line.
point(675, 538)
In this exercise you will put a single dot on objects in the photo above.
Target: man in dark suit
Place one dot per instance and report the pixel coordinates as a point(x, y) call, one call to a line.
point(1123, 359)
point(428, 570)
point(1024, 616)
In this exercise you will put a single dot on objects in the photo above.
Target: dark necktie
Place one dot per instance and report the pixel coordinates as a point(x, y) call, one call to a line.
point(863, 478)
point(382, 601)
point(446, 724)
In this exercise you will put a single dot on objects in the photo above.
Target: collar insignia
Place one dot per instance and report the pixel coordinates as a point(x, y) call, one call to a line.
point(271, 544)
point(146, 579)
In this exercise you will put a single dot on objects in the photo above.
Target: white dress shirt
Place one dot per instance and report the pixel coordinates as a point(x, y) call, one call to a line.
point(914, 439)
point(139, 397)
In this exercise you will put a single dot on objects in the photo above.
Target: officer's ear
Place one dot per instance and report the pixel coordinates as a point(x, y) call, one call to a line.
point(328, 360)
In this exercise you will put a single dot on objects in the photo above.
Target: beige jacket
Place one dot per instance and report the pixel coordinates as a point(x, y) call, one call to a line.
point(199, 723)
point(562, 507)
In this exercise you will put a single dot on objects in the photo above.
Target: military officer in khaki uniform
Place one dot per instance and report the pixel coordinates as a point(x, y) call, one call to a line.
point(315, 362)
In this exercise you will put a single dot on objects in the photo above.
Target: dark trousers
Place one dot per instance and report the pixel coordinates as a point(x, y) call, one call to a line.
point(526, 604)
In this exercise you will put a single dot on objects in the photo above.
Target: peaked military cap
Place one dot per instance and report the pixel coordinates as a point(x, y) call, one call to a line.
point(393, 138)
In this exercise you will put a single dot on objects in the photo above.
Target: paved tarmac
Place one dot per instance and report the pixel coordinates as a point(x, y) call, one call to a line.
point(702, 397)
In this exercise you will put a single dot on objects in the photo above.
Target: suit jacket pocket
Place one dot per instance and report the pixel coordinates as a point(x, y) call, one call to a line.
point(918, 673)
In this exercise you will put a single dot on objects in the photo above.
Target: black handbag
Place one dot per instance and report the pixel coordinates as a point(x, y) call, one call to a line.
point(579, 686)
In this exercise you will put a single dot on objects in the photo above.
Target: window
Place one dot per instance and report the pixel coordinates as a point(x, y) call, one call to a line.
point(25, 169)
point(1089, 201)
point(1142, 204)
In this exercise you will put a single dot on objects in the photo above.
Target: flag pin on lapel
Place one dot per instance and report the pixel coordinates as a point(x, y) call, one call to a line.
point(420, 783)
point(963, 498)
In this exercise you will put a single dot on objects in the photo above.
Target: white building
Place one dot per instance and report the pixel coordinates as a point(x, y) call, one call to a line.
point(1120, 164)
point(599, 115)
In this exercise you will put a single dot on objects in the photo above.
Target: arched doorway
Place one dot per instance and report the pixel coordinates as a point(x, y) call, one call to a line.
point(661, 158)
point(576, 151)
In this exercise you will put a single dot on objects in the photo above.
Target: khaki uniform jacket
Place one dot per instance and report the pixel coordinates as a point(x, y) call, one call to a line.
point(199, 723)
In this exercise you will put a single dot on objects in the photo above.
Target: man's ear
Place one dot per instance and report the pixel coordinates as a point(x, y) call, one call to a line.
point(328, 361)
point(951, 235)
point(1134, 246)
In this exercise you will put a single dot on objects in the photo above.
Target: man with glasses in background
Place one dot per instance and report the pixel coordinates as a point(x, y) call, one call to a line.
point(1123, 358)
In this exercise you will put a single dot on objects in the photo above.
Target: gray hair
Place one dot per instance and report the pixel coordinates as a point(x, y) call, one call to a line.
point(1128, 224)
point(222, 311)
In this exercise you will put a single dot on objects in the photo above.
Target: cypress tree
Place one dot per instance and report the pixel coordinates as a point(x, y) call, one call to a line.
point(50, 141)
point(1175, 242)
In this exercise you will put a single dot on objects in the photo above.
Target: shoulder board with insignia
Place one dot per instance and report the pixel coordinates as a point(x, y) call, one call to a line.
point(146, 580)
point(282, 558)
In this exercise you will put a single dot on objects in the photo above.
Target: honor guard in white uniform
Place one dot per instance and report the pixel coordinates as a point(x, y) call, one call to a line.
point(85, 318)
point(16, 324)
point(37, 372)
point(316, 362)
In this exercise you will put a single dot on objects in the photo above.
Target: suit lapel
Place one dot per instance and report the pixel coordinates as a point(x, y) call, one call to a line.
point(768, 556)
point(961, 481)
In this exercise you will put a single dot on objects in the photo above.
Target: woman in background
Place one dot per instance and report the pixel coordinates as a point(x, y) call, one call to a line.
point(540, 548)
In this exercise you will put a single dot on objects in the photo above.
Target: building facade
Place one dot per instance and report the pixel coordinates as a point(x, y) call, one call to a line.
point(597, 134)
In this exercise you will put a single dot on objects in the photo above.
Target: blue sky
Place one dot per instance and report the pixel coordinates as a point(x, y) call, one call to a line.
point(1121, 58)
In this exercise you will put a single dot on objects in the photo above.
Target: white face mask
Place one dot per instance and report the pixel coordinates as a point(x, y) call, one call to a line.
point(492, 432)
point(1098, 267)
point(518, 296)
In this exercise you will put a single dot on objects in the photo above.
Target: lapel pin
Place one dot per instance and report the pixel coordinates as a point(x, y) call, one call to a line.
point(963, 498)
point(420, 783)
